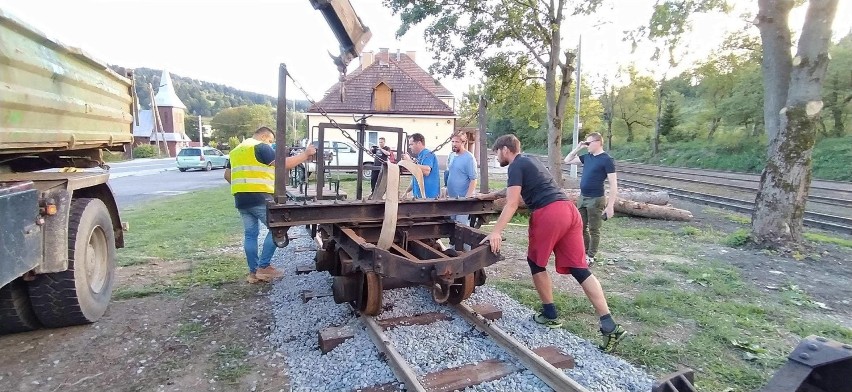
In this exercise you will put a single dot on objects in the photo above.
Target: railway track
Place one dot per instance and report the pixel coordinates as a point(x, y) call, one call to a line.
point(829, 207)
point(469, 375)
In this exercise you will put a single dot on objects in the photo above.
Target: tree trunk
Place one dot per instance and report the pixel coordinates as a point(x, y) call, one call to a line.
point(627, 207)
point(714, 125)
point(784, 185)
point(629, 132)
point(655, 141)
point(775, 37)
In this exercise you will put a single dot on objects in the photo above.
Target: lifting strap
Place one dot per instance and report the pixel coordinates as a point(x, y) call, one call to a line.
point(388, 187)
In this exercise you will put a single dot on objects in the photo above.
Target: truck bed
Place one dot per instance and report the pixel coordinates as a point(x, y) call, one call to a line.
point(57, 98)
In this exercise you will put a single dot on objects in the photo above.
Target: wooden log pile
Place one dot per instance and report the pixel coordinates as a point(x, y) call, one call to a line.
point(652, 205)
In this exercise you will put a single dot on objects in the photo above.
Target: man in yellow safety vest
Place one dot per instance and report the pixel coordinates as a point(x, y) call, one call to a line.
point(251, 173)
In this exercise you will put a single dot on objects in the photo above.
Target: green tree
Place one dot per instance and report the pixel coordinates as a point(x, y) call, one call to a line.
point(792, 91)
point(669, 121)
point(502, 37)
point(837, 93)
point(636, 104)
point(190, 126)
point(242, 121)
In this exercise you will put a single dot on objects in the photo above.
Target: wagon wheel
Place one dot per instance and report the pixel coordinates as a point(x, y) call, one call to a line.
point(461, 289)
point(454, 293)
point(370, 298)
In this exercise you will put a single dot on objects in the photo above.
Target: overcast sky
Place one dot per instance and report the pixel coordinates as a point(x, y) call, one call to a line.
point(240, 43)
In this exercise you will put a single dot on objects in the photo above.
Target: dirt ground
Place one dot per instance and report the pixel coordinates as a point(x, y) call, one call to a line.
point(215, 339)
point(204, 340)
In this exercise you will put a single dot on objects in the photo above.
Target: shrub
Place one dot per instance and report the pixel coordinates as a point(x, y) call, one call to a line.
point(737, 239)
point(233, 142)
point(143, 151)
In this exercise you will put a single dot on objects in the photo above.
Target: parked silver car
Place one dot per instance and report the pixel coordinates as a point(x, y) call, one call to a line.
point(204, 158)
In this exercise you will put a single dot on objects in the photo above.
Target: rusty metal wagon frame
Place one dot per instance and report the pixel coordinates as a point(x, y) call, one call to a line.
point(365, 251)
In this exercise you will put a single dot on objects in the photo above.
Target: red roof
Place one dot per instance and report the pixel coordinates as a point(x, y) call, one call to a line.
point(414, 90)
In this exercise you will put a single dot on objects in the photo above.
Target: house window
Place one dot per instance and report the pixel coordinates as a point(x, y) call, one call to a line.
point(382, 97)
point(373, 138)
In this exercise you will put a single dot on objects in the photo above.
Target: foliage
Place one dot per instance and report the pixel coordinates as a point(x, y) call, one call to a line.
point(736, 239)
point(233, 142)
point(242, 121)
point(636, 106)
point(514, 40)
point(144, 151)
point(669, 121)
point(837, 91)
point(200, 97)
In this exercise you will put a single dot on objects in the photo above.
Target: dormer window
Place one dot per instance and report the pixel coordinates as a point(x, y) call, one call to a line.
point(382, 97)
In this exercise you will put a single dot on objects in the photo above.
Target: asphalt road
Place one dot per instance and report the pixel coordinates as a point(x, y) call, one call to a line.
point(140, 181)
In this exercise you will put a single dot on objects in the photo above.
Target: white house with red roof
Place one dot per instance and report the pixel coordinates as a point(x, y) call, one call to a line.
point(395, 92)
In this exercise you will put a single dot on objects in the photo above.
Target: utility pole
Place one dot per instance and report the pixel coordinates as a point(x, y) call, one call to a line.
point(576, 139)
point(200, 133)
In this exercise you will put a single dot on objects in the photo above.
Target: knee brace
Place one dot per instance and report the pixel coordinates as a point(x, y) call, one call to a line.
point(534, 268)
point(581, 274)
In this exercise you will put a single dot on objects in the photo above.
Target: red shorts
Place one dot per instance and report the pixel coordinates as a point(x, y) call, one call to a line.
point(557, 227)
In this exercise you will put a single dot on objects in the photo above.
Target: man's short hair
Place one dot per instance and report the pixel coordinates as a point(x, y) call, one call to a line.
point(262, 130)
point(417, 137)
point(382, 138)
point(462, 136)
point(509, 141)
point(595, 135)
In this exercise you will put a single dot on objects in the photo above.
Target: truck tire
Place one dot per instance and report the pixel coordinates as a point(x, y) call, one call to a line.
point(16, 315)
point(79, 295)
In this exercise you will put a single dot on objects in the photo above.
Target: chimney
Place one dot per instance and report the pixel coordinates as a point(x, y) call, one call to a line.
point(397, 54)
point(383, 57)
point(411, 54)
point(366, 59)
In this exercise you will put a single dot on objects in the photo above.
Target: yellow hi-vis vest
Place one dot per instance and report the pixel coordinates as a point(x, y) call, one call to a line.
point(247, 173)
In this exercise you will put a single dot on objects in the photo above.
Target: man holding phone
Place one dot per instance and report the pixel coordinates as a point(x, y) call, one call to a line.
point(593, 204)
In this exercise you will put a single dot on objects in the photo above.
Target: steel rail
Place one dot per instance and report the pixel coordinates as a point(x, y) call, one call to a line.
point(398, 365)
point(828, 185)
point(553, 377)
point(812, 219)
point(812, 198)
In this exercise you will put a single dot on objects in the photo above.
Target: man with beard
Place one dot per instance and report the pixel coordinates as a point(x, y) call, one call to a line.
point(555, 227)
point(460, 176)
point(428, 164)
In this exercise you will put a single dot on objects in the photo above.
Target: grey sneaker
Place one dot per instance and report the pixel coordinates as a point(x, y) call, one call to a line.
point(611, 340)
point(546, 321)
point(590, 260)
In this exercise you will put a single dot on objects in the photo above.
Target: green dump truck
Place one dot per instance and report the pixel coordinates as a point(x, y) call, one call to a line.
point(59, 225)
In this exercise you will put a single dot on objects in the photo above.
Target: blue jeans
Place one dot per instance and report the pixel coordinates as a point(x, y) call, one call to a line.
point(251, 217)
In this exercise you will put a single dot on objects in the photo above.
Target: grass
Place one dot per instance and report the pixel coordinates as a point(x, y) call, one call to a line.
point(190, 228)
point(737, 153)
point(230, 363)
point(827, 239)
point(685, 309)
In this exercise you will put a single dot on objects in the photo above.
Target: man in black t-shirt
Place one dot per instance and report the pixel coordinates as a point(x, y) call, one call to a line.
point(555, 227)
point(386, 155)
point(598, 167)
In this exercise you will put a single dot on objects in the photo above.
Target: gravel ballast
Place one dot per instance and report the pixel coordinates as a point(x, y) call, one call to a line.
point(356, 363)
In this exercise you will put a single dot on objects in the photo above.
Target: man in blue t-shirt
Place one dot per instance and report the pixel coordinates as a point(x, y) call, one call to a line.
point(428, 164)
point(598, 167)
point(460, 176)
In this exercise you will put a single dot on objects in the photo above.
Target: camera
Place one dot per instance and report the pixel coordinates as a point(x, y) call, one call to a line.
point(374, 149)
point(585, 143)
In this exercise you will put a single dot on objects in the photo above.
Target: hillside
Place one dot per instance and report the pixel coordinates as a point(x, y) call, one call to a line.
point(201, 97)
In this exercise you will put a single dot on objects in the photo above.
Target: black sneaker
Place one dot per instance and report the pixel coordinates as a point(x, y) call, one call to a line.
point(611, 340)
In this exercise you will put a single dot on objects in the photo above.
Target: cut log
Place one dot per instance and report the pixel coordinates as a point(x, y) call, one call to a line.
point(656, 198)
point(628, 207)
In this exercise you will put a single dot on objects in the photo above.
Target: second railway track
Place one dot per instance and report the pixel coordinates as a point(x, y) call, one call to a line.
point(829, 208)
